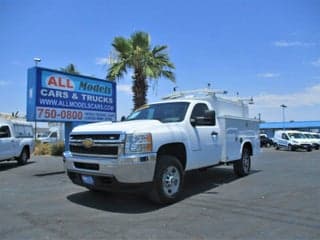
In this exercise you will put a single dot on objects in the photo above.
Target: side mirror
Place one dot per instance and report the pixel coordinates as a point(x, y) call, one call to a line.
point(210, 116)
point(209, 119)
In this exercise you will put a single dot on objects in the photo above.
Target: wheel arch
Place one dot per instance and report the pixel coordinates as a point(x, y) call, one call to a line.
point(27, 147)
point(247, 145)
point(176, 149)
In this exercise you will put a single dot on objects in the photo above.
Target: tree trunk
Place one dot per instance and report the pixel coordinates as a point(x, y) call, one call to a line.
point(139, 88)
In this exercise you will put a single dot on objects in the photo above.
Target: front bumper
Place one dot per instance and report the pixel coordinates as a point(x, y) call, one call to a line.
point(125, 169)
point(303, 146)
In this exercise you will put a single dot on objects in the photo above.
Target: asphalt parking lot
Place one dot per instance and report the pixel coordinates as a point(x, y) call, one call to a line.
point(280, 199)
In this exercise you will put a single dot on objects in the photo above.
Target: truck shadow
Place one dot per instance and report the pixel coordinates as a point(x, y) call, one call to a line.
point(196, 182)
point(4, 166)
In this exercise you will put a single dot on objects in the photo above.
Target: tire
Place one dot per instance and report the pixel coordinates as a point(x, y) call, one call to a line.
point(242, 166)
point(24, 156)
point(168, 180)
point(276, 146)
point(309, 149)
point(290, 148)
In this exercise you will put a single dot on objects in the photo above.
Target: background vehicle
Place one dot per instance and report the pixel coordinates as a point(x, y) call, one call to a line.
point(265, 141)
point(55, 135)
point(159, 142)
point(16, 141)
point(291, 140)
point(312, 139)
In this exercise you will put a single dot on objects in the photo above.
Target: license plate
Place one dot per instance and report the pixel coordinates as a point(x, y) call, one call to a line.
point(87, 179)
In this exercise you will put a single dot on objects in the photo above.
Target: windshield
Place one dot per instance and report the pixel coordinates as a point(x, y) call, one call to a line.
point(164, 112)
point(308, 135)
point(296, 135)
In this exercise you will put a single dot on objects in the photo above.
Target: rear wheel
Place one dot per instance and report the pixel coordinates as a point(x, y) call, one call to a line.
point(242, 166)
point(23, 158)
point(276, 146)
point(168, 180)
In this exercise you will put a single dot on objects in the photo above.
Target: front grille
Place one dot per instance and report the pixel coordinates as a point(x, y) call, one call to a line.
point(100, 150)
point(97, 145)
point(107, 137)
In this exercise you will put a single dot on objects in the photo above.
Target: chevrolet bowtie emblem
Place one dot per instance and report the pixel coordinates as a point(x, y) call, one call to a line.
point(87, 143)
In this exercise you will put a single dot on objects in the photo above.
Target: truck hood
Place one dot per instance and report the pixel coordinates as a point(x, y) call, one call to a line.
point(126, 126)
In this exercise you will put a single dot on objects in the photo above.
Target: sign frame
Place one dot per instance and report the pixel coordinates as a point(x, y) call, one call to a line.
point(56, 96)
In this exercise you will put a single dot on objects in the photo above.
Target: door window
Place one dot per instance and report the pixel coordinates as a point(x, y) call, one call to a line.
point(199, 114)
point(4, 132)
point(284, 136)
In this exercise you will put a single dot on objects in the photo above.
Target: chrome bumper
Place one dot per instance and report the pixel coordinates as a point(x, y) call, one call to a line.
point(126, 169)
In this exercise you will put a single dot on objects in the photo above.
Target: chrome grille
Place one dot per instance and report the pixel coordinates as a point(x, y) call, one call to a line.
point(97, 145)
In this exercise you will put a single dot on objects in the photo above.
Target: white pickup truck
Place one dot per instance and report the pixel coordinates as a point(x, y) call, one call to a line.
point(16, 141)
point(159, 142)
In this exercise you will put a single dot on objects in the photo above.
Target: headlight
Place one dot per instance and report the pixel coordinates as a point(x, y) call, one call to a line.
point(295, 141)
point(138, 143)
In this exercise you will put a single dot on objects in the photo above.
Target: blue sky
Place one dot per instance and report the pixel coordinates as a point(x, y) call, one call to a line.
point(269, 50)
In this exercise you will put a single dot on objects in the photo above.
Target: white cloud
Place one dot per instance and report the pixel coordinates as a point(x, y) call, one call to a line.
point(302, 105)
point(268, 75)
point(316, 63)
point(125, 88)
point(4, 83)
point(307, 97)
point(284, 43)
point(102, 61)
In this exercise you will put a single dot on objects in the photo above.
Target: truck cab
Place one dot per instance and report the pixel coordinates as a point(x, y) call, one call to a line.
point(161, 141)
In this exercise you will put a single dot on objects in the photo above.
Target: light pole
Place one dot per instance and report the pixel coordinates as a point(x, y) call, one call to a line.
point(283, 116)
point(36, 61)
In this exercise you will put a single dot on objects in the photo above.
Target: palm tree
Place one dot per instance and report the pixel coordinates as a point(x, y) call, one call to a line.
point(146, 62)
point(71, 68)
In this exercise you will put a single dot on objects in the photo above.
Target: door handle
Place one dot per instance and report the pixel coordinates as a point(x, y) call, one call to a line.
point(214, 133)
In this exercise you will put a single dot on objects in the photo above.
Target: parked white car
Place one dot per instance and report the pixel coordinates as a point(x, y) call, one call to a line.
point(159, 142)
point(291, 140)
point(16, 141)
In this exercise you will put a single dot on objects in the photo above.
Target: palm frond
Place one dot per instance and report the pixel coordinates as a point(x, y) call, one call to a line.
point(140, 40)
point(116, 71)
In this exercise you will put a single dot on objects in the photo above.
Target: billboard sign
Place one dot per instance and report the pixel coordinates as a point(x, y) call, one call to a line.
point(61, 97)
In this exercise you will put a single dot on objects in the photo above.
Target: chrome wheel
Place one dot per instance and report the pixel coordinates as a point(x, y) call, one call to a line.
point(171, 181)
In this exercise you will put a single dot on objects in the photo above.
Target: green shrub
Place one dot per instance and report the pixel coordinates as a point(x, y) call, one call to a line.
point(57, 148)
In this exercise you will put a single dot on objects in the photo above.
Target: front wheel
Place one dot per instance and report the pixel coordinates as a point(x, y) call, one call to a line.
point(23, 158)
point(242, 166)
point(168, 180)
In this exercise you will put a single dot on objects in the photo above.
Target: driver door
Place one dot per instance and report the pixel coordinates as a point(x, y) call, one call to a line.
point(205, 139)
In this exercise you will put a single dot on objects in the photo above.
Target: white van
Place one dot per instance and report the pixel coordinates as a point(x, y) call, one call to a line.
point(16, 141)
point(291, 140)
point(55, 134)
point(312, 139)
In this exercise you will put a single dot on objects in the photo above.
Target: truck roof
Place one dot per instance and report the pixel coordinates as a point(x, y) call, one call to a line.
point(222, 105)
